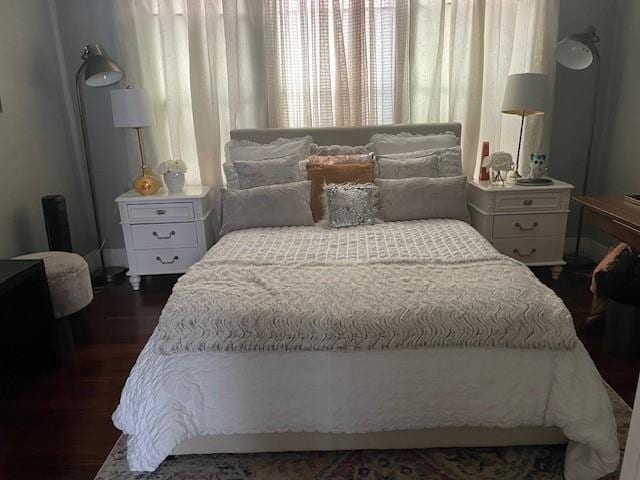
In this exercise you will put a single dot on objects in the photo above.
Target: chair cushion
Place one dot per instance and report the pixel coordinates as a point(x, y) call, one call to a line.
point(69, 280)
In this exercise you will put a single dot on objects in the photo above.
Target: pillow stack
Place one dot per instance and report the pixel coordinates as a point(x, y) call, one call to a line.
point(267, 184)
point(340, 165)
point(292, 181)
point(419, 176)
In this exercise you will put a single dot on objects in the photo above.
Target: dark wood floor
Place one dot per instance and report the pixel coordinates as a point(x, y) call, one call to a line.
point(58, 426)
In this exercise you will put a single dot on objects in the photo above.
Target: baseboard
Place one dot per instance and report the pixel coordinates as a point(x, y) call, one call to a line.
point(596, 251)
point(113, 257)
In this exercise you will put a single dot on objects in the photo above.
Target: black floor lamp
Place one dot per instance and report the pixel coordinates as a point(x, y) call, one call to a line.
point(97, 70)
point(578, 52)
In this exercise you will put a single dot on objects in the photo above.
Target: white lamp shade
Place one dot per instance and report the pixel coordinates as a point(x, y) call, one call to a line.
point(526, 94)
point(131, 108)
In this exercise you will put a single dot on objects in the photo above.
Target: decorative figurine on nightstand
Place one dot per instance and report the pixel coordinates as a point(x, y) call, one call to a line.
point(499, 162)
point(173, 172)
point(537, 171)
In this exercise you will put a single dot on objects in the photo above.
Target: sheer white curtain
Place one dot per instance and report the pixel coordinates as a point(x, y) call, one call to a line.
point(453, 60)
point(331, 61)
point(215, 65)
point(202, 62)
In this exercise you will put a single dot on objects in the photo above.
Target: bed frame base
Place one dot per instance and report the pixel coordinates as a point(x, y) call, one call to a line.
point(399, 439)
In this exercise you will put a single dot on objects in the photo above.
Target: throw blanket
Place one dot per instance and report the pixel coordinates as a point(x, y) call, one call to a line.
point(431, 283)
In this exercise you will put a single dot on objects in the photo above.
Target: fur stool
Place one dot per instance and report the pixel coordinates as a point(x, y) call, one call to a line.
point(69, 282)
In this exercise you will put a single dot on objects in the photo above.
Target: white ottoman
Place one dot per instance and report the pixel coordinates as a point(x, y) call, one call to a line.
point(69, 281)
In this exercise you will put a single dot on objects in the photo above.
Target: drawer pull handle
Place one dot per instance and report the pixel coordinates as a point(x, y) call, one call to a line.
point(528, 203)
point(166, 237)
point(161, 211)
point(526, 229)
point(517, 252)
point(167, 262)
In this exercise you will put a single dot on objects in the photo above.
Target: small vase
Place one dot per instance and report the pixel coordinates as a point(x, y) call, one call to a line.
point(146, 184)
point(174, 181)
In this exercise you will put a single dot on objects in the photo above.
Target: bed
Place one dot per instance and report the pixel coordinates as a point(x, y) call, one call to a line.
point(503, 375)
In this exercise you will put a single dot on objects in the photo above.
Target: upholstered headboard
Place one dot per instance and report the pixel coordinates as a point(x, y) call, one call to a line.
point(342, 135)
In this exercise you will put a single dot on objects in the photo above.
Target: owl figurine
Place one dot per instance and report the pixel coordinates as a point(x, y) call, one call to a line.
point(537, 166)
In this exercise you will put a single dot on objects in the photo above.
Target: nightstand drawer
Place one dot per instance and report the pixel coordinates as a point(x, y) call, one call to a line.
point(160, 212)
point(164, 235)
point(523, 202)
point(167, 260)
point(527, 225)
point(531, 249)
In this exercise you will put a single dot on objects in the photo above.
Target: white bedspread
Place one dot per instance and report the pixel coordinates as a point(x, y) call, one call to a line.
point(170, 398)
point(420, 284)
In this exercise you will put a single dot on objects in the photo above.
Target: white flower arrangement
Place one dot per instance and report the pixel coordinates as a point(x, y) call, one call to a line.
point(172, 166)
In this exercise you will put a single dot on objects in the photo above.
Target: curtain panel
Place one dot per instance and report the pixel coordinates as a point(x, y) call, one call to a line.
point(202, 62)
point(215, 65)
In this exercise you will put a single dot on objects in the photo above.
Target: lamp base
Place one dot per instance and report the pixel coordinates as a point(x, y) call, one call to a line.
point(533, 182)
point(579, 264)
point(146, 184)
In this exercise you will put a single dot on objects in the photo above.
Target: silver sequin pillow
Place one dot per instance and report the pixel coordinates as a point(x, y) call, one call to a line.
point(350, 204)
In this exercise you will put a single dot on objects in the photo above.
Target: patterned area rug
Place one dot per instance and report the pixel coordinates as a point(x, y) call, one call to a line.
point(510, 463)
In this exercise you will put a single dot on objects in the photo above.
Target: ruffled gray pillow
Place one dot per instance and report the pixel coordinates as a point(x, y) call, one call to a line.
point(385, 143)
point(424, 166)
point(247, 150)
point(258, 173)
point(449, 159)
point(422, 198)
point(268, 206)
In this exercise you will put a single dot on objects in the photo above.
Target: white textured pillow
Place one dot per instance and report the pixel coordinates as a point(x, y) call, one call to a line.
point(422, 198)
point(419, 166)
point(269, 206)
point(248, 151)
point(257, 173)
point(449, 159)
point(384, 143)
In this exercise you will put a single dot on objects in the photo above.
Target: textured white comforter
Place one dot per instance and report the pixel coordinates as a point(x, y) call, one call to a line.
point(169, 398)
point(420, 284)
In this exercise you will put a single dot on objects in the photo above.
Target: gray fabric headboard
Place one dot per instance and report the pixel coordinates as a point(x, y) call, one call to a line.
point(342, 135)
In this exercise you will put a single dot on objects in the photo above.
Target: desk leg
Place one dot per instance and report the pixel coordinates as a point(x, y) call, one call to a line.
point(556, 270)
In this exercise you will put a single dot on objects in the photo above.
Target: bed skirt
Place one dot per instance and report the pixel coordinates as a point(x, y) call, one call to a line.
point(400, 439)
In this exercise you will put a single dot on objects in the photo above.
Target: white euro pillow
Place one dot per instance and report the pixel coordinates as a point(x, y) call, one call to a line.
point(384, 143)
point(246, 150)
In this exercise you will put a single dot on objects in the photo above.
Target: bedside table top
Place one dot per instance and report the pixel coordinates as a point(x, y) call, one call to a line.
point(190, 192)
point(489, 187)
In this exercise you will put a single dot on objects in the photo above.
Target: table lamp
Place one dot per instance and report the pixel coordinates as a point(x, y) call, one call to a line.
point(525, 95)
point(132, 109)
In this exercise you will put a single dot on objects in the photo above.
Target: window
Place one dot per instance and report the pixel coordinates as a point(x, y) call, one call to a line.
point(335, 60)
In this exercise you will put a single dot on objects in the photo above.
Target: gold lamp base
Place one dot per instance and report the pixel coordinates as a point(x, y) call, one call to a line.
point(146, 184)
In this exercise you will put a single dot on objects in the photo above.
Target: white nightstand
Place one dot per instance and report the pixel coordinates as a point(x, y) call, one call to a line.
point(166, 232)
point(525, 223)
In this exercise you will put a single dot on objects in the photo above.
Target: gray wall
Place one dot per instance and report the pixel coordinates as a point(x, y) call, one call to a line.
point(574, 96)
point(618, 171)
point(36, 151)
point(81, 23)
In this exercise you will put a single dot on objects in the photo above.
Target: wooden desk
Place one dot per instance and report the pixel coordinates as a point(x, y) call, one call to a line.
point(614, 216)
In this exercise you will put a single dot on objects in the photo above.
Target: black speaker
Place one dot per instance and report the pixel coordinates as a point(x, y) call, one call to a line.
point(57, 223)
